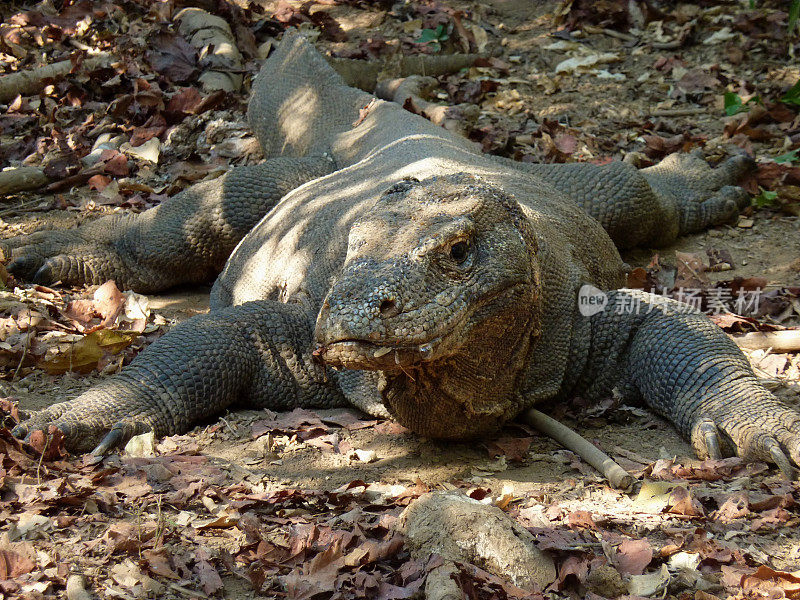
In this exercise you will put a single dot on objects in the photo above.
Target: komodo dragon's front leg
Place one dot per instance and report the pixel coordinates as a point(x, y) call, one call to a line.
point(685, 368)
point(257, 355)
point(187, 239)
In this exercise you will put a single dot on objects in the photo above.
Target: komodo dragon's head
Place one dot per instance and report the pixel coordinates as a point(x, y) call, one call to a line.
point(440, 294)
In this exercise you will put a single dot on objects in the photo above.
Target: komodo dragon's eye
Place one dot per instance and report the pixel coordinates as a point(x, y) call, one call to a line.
point(459, 251)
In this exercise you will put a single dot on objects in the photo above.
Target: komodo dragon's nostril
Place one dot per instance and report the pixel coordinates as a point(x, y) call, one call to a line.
point(388, 308)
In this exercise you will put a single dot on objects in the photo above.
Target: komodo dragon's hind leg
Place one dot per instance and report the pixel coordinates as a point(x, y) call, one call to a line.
point(682, 194)
point(187, 239)
point(704, 196)
point(257, 354)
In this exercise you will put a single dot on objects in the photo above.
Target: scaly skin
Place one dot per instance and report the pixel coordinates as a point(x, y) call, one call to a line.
point(442, 282)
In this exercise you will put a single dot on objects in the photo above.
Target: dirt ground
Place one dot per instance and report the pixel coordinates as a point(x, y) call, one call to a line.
point(296, 468)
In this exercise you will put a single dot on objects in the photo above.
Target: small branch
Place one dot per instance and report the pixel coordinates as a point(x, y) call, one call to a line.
point(673, 45)
point(78, 178)
point(787, 340)
point(32, 81)
point(678, 112)
point(625, 37)
point(616, 475)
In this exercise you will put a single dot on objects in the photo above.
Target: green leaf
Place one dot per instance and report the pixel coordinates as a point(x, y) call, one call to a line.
point(794, 12)
point(427, 36)
point(792, 96)
point(733, 104)
point(765, 198)
point(433, 35)
point(789, 157)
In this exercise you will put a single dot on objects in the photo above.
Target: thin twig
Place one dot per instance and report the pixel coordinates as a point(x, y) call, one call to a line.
point(678, 112)
point(616, 475)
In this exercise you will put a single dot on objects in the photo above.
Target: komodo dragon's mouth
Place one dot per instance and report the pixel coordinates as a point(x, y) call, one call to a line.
point(361, 354)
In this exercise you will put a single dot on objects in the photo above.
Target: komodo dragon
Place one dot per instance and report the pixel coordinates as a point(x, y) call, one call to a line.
point(380, 261)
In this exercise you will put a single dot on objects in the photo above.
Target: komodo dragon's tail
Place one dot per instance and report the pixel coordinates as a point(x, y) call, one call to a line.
point(299, 103)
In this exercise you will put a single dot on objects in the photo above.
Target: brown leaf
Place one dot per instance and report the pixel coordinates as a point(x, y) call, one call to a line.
point(303, 422)
point(13, 564)
point(566, 143)
point(349, 419)
point(109, 302)
point(83, 356)
point(734, 323)
point(115, 163)
point(210, 580)
point(173, 57)
point(777, 517)
point(697, 80)
point(765, 579)
point(736, 506)
point(185, 101)
point(99, 182)
point(514, 449)
point(682, 503)
point(50, 445)
point(128, 538)
point(691, 271)
point(158, 563)
point(581, 518)
point(81, 310)
point(710, 469)
point(154, 126)
point(637, 279)
point(573, 570)
point(633, 556)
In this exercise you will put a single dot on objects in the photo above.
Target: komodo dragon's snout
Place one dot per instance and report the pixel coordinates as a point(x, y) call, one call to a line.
point(439, 268)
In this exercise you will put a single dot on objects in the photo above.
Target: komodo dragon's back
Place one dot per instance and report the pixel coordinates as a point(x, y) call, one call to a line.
point(301, 106)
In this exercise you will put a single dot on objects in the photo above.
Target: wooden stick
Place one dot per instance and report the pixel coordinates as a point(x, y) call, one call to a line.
point(678, 112)
point(32, 81)
point(616, 475)
point(787, 340)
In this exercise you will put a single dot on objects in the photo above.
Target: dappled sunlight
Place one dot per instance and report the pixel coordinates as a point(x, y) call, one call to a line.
point(297, 116)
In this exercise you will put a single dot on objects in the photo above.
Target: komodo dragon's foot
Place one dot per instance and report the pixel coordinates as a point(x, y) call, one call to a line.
point(82, 430)
point(766, 430)
point(705, 196)
point(73, 257)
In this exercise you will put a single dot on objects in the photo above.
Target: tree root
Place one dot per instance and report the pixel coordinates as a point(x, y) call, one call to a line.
point(616, 475)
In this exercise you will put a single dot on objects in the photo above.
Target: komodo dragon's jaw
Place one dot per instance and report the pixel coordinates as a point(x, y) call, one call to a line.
point(440, 282)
